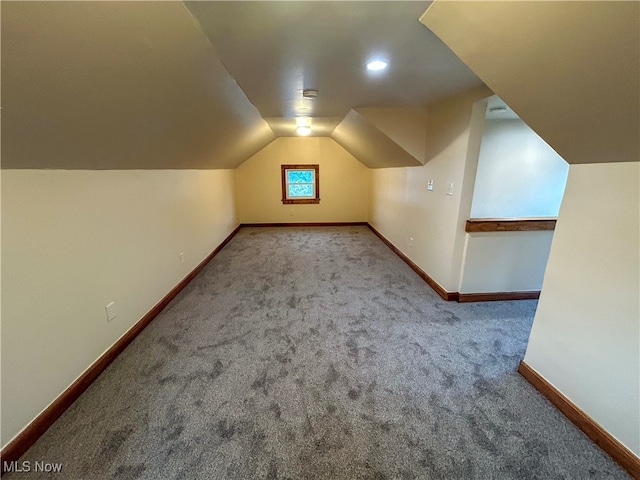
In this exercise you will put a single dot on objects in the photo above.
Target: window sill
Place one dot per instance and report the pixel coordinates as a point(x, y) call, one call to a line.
point(290, 201)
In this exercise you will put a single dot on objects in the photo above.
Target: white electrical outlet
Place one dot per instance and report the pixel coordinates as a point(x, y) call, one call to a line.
point(291, 212)
point(430, 184)
point(181, 255)
point(450, 188)
point(111, 311)
point(410, 242)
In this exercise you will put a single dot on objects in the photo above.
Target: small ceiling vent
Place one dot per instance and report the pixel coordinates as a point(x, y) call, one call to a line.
point(498, 109)
point(310, 93)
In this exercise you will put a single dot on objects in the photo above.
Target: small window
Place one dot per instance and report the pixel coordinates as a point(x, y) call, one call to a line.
point(300, 184)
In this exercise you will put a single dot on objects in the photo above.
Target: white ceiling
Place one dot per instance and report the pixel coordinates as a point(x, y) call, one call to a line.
point(274, 50)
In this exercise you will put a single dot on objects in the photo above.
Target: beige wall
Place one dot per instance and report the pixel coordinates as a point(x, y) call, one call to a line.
point(73, 241)
point(344, 183)
point(401, 207)
point(586, 333)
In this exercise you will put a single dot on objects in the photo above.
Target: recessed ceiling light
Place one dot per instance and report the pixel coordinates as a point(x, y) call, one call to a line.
point(303, 130)
point(377, 65)
point(303, 122)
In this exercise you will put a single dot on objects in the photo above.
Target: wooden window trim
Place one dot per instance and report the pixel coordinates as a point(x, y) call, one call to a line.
point(300, 201)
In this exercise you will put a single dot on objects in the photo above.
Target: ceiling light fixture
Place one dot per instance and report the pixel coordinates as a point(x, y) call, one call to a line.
point(303, 121)
point(303, 130)
point(377, 65)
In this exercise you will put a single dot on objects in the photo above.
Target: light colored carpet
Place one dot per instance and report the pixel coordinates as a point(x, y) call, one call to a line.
point(315, 353)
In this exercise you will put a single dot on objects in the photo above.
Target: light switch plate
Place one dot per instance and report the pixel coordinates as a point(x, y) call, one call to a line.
point(111, 311)
point(450, 188)
point(430, 185)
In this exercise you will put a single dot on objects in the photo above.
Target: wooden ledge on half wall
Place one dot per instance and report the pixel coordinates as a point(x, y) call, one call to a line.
point(510, 224)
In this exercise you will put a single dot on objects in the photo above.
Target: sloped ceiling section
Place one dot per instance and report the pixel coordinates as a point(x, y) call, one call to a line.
point(110, 85)
point(570, 70)
point(362, 139)
point(406, 126)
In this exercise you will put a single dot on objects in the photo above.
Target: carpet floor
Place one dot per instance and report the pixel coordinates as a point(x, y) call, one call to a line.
point(316, 353)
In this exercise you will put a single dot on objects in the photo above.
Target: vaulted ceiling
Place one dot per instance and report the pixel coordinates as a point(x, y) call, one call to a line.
point(130, 85)
point(275, 50)
point(126, 85)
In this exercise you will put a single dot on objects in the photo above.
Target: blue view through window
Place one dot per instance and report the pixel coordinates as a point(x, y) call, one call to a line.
point(297, 190)
point(300, 183)
point(300, 176)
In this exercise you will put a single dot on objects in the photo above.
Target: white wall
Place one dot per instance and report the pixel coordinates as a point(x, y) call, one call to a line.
point(505, 261)
point(519, 175)
point(585, 338)
point(73, 241)
point(344, 183)
point(401, 207)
